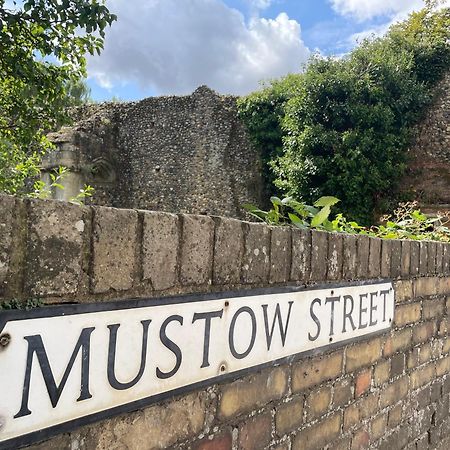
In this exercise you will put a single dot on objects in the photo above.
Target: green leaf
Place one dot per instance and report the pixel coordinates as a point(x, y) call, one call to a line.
point(320, 217)
point(326, 201)
point(276, 201)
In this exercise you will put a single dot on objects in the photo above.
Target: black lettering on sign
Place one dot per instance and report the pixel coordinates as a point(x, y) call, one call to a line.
point(361, 311)
point(116, 384)
point(207, 316)
point(315, 318)
point(348, 314)
point(168, 343)
point(373, 308)
point(332, 301)
point(35, 345)
point(233, 350)
point(276, 317)
point(384, 293)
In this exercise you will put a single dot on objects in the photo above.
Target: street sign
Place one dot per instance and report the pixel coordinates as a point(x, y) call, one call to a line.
point(65, 366)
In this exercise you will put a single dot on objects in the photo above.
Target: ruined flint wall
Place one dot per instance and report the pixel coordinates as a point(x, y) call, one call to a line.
point(386, 392)
point(178, 154)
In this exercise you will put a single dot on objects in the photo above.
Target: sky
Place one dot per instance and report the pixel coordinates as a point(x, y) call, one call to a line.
point(170, 47)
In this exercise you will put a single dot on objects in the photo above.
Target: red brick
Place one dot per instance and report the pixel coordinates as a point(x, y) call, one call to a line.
point(255, 433)
point(363, 382)
point(222, 442)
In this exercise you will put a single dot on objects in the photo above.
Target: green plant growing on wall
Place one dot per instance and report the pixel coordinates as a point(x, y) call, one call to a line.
point(407, 221)
point(344, 125)
point(27, 304)
point(43, 190)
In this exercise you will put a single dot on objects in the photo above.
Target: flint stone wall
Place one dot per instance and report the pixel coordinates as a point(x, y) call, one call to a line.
point(387, 392)
point(187, 154)
point(428, 172)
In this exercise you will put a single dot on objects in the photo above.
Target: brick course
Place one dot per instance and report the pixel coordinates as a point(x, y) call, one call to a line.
point(388, 391)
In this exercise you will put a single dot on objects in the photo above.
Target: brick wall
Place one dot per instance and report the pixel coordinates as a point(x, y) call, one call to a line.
point(387, 392)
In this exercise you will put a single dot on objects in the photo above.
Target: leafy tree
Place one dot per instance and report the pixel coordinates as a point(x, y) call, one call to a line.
point(344, 128)
point(43, 44)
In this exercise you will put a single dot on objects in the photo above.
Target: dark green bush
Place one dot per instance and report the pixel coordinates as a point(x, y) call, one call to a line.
point(343, 126)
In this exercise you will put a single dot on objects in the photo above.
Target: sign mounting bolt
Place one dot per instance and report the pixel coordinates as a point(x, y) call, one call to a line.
point(5, 339)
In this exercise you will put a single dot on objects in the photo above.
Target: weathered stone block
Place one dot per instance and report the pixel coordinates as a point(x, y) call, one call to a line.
point(406, 258)
point(415, 257)
point(443, 366)
point(360, 410)
point(319, 435)
point(433, 308)
point(317, 402)
point(256, 261)
point(280, 254)
point(439, 258)
point(114, 249)
point(403, 290)
point(386, 252)
point(394, 392)
point(57, 240)
point(432, 253)
point(319, 255)
point(360, 440)
point(443, 286)
point(363, 354)
point(426, 286)
point(196, 250)
point(374, 257)
point(349, 264)
point(342, 392)
point(423, 258)
point(228, 251)
point(362, 259)
point(252, 392)
point(423, 332)
point(378, 426)
point(422, 376)
point(289, 416)
point(156, 427)
point(255, 433)
point(11, 230)
point(301, 255)
point(309, 373)
point(160, 242)
point(406, 314)
point(335, 256)
point(399, 340)
point(397, 365)
point(396, 258)
point(395, 416)
point(381, 373)
point(446, 259)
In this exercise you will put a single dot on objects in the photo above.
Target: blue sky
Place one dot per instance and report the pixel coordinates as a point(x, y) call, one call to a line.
point(170, 47)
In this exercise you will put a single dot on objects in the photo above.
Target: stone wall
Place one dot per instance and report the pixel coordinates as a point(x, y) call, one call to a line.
point(428, 172)
point(178, 154)
point(386, 392)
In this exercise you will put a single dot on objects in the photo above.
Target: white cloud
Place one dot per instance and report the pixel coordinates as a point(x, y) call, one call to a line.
point(173, 46)
point(368, 9)
point(260, 4)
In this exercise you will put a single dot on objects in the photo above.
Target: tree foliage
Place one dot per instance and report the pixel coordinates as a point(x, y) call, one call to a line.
point(342, 126)
point(43, 44)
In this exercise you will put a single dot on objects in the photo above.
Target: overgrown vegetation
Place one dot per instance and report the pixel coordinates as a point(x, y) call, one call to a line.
point(407, 221)
point(43, 44)
point(343, 125)
point(21, 304)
